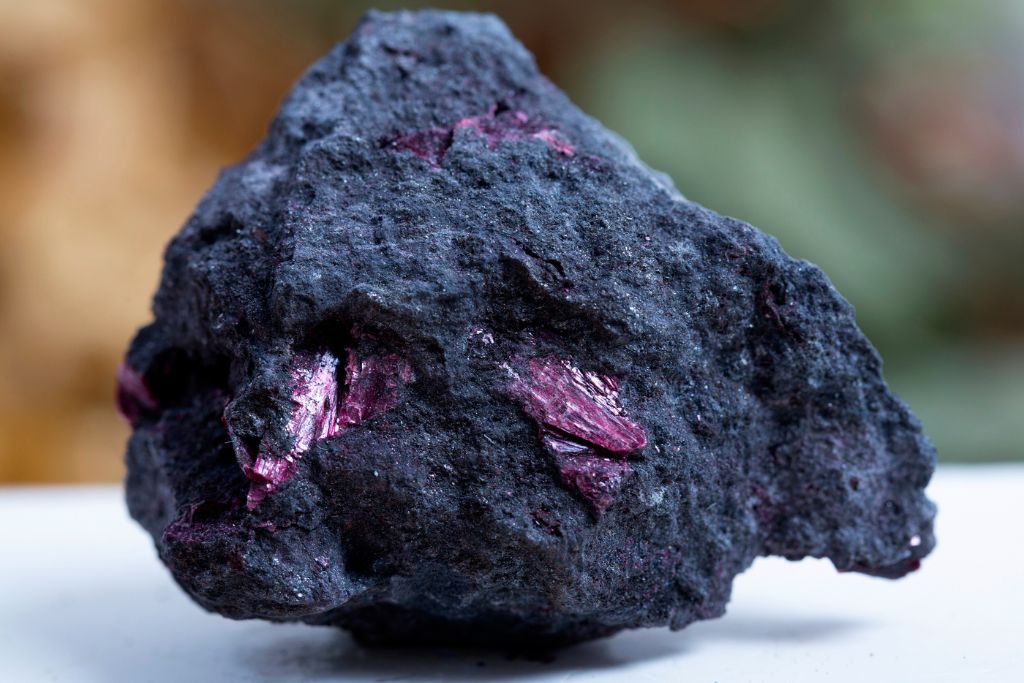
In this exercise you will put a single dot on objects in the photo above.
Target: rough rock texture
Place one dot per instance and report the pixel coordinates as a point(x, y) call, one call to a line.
point(443, 361)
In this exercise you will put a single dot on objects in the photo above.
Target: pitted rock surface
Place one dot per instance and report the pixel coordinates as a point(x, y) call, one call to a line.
point(443, 361)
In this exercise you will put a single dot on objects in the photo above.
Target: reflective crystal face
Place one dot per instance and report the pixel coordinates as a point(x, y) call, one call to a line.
point(322, 407)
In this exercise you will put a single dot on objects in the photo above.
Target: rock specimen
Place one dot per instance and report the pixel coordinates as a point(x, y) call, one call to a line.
point(442, 360)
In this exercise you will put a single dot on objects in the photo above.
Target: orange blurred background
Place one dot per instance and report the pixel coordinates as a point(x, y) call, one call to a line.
point(882, 140)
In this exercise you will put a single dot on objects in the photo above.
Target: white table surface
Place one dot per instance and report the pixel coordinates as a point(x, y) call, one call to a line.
point(83, 598)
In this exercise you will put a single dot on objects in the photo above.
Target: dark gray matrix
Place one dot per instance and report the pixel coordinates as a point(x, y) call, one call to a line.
point(442, 360)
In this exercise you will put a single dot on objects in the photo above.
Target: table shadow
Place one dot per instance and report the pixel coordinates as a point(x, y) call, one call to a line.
point(300, 658)
point(121, 630)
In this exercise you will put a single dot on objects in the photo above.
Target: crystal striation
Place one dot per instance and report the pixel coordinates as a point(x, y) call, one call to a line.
point(443, 361)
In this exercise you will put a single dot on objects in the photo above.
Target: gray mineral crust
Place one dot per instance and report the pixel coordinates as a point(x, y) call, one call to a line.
point(442, 361)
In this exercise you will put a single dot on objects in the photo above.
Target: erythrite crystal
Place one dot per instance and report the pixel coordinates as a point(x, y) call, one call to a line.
point(133, 396)
point(584, 405)
point(582, 425)
point(314, 416)
point(441, 360)
point(431, 144)
point(371, 387)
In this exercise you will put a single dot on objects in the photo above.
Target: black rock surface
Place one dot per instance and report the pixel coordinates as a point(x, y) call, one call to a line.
point(442, 360)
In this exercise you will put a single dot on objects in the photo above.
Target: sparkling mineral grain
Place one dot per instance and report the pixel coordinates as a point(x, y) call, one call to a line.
point(442, 360)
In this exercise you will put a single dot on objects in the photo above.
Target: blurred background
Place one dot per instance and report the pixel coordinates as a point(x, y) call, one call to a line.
point(881, 139)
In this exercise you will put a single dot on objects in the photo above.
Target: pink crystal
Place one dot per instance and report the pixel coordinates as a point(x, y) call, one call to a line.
point(582, 424)
point(550, 136)
point(432, 144)
point(133, 396)
point(315, 398)
point(371, 388)
point(314, 388)
point(265, 475)
point(582, 404)
point(598, 479)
